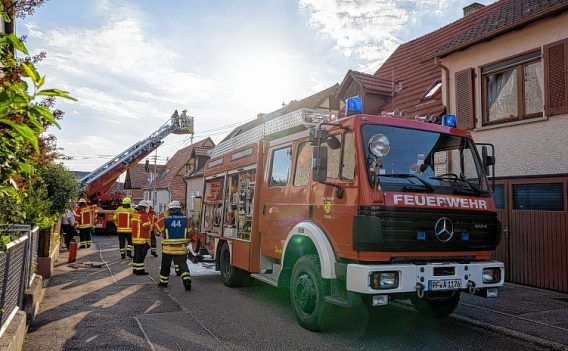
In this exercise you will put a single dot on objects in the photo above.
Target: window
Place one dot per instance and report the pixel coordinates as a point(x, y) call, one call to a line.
point(333, 158)
point(433, 90)
point(499, 196)
point(303, 164)
point(538, 197)
point(513, 89)
point(281, 160)
point(348, 169)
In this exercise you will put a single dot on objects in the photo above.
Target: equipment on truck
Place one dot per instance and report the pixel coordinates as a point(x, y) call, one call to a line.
point(359, 210)
point(97, 184)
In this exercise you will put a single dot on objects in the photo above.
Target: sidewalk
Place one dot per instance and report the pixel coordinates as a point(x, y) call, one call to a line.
point(536, 315)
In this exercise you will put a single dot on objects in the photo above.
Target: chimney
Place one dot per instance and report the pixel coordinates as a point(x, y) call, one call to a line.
point(469, 9)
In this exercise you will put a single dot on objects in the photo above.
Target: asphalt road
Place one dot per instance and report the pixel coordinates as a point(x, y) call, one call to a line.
point(214, 317)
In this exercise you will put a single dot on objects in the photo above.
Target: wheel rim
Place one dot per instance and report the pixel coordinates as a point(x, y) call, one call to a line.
point(306, 293)
point(226, 263)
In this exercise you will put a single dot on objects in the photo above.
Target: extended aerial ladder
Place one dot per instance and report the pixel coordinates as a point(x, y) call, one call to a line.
point(98, 183)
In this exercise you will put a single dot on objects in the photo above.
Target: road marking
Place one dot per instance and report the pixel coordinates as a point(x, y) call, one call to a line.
point(145, 334)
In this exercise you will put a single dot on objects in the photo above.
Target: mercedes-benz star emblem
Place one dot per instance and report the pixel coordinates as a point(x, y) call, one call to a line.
point(444, 229)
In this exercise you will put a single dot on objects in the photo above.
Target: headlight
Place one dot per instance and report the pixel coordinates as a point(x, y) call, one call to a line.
point(384, 280)
point(491, 275)
point(379, 145)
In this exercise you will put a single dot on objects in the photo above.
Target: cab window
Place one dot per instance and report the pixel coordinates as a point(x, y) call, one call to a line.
point(281, 160)
point(333, 157)
point(303, 164)
point(348, 169)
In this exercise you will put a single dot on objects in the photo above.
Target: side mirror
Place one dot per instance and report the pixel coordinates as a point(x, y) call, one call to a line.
point(333, 142)
point(319, 163)
point(317, 135)
point(488, 160)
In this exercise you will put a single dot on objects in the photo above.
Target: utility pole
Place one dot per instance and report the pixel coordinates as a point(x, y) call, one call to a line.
point(154, 202)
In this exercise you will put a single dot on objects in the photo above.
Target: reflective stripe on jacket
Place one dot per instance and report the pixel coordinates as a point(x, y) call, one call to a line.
point(122, 217)
point(84, 217)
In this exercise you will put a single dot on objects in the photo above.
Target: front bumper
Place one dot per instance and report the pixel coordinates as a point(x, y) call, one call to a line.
point(412, 276)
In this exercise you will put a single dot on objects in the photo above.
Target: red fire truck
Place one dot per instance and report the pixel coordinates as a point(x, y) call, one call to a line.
point(97, 185)
point(362, 210)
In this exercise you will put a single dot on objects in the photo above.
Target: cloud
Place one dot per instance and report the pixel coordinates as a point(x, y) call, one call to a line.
point(370, 30)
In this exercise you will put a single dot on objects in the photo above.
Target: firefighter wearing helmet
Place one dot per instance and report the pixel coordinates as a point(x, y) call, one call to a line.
point(122, 218)
point(84, 217)
point(153, 219)
point(141, 227)
point(173, 228)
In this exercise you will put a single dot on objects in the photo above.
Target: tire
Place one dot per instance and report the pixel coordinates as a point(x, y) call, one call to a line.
point(231, 275)
point(436, 304)
point(307, 292)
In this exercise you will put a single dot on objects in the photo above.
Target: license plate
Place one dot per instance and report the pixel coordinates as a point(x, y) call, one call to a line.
point(446, 284)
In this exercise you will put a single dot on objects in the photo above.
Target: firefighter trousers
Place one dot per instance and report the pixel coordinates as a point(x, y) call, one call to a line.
point(124, 238)
point(153, 243)
point(85, 237)
point(140, 252)
point(181, 262)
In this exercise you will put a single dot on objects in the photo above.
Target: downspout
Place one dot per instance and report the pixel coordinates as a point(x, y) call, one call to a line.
point(446, 82)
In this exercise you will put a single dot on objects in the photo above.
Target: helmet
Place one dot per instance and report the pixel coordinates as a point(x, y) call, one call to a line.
point(143, 203)
point(82, 200)
point(149, 203)
point(126, 201)
point(174, 204)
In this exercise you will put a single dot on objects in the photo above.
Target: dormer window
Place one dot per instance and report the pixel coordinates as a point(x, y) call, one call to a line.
point(433, 90)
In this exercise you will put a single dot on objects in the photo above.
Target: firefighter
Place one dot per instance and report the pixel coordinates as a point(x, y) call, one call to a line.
point(84, 218)
point(141, 227)
point(152, 216)
point(173, 228)
point(121, 218)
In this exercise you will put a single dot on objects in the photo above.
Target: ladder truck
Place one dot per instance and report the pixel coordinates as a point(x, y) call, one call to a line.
point(97, 185)
point(355, 211)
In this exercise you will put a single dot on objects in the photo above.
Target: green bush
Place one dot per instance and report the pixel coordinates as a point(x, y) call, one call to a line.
point(61, 187)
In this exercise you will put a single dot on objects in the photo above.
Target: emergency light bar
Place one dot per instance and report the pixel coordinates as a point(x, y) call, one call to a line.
point(449, 121)
point(353, 106)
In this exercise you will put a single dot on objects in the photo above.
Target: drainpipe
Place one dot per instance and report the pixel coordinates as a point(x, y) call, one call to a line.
point(446, 82)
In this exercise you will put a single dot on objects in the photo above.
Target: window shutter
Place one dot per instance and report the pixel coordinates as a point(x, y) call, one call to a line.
point(555, 60)
point(465, 110)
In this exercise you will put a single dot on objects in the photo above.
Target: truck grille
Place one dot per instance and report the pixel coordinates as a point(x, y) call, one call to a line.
point(378, 228)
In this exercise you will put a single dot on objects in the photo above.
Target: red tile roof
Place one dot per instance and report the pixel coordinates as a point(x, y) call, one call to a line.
point(137, 177)
point(510, 15)
point(412, 67)
point(367, 82)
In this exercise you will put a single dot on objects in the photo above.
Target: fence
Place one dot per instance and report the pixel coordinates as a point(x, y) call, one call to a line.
point(17, 267)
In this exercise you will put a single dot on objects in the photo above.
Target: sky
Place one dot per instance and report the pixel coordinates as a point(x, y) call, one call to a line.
point(132, 63)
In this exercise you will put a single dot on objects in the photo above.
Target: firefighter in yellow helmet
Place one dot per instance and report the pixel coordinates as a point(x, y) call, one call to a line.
point(84, 218)
point(122, 218)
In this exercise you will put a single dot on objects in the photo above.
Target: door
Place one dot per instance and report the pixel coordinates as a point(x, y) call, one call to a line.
point(500, 195)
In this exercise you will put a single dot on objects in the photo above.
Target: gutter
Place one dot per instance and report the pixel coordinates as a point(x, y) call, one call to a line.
point(446, 82)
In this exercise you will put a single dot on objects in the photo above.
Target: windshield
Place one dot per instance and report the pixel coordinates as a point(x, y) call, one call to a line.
point(425, 161)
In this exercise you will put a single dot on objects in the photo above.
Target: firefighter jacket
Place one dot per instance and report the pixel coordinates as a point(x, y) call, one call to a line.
point(122, 217)
point(174, 233)
point(84, 216)
point(141, 226)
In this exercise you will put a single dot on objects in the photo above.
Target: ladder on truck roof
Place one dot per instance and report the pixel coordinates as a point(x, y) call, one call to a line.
point(282, 125)
point(102, 178)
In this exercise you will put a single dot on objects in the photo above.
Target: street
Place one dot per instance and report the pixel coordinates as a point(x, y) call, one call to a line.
point(88, 308)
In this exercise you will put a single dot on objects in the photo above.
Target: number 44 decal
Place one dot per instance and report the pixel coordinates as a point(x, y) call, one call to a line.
point(176, 224)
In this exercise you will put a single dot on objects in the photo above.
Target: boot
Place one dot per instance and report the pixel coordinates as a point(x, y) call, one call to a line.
point(154, 254)
point(162, 285)
point(123, 256)
point(187, 285)
point(129, 255)
point(143, 273)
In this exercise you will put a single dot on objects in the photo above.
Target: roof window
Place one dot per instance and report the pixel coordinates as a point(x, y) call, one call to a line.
point(433, 90)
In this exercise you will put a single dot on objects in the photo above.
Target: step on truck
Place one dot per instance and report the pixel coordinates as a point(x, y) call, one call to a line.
point(358, 210)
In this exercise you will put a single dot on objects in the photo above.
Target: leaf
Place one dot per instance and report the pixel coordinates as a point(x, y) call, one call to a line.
point(25, 131)
point(56, 92)
point(45, 113)
point(34, 121)
point(5, 16)
point(17, 43)
point(27, 168)
point(31, 72)
point(40, 83)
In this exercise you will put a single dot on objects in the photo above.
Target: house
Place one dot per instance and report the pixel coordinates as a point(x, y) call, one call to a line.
point(503, 70)
point(170, 184)
point(194, 181)
point(138, 177)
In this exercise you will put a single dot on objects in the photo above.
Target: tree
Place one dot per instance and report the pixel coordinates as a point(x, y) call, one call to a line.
point(61, 187)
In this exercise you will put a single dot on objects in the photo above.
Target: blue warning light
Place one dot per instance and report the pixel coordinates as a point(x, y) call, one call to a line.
point(449, 121)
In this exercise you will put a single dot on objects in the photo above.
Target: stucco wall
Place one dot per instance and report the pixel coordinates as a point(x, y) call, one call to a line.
point(532, 148)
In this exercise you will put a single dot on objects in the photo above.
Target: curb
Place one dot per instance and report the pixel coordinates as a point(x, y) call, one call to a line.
point(498, 329)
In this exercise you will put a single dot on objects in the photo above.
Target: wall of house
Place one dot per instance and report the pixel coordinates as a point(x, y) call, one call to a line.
point(194, 189)
point(531, 147)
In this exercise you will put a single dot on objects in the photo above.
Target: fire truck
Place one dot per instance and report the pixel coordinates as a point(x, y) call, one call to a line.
point(356, 211)
point(97, 185)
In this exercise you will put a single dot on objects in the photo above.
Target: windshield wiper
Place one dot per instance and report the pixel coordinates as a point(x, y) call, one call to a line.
point(454, 178)
point(407, 175)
